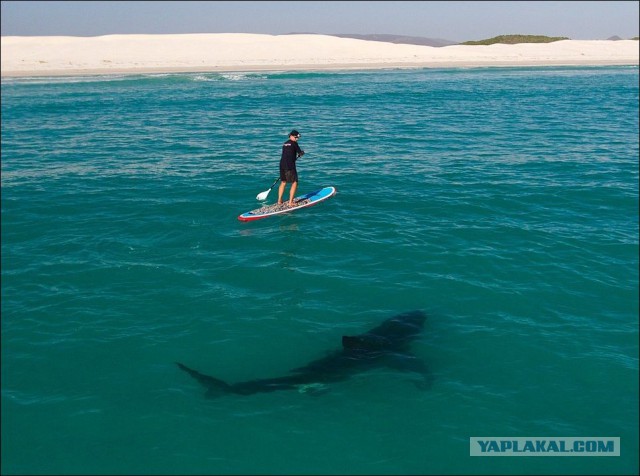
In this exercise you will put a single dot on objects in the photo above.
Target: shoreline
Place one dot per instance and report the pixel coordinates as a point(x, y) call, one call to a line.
point(211, 53)
point(303, 68)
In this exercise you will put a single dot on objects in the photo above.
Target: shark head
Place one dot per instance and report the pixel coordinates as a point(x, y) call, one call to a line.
point(394, 333)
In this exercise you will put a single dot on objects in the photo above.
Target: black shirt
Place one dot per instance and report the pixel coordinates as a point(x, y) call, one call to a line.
point(291, 151)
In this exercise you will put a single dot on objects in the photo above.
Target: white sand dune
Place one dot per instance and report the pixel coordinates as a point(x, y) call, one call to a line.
point(64, 55)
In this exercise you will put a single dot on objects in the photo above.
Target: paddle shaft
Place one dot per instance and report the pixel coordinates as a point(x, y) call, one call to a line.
point(277, 180)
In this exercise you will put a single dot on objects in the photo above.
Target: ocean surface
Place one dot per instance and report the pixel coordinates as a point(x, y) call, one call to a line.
point(501, 202)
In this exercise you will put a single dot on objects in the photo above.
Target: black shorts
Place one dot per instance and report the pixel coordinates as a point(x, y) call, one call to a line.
point(289, 176)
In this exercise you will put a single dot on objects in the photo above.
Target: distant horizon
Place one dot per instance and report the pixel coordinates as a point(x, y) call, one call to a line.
point(347, 35)
point(381, 37)
point(451, 21)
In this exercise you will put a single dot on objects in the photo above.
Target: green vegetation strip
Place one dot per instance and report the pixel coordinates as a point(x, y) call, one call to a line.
point(514, 39)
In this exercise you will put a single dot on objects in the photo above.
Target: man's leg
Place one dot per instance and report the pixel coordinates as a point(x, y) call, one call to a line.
point(283, 184)
point(292, 192)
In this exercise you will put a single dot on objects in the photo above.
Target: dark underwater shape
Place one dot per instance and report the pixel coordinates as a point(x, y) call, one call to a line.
point(384, 346)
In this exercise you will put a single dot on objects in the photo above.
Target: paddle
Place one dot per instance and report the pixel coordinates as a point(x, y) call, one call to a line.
point(263, 195)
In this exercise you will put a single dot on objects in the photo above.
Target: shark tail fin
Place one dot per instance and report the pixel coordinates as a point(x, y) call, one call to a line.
point(215, 387)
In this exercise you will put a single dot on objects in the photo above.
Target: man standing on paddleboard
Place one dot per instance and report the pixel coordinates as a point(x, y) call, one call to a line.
point(291, 152)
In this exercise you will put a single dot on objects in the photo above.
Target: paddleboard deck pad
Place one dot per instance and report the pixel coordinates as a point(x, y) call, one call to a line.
point(302, 201)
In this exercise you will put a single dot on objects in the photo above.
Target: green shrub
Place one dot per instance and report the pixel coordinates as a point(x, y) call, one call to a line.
point(514, 39)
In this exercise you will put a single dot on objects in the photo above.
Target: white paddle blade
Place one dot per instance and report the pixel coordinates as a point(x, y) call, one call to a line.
point(263, 195)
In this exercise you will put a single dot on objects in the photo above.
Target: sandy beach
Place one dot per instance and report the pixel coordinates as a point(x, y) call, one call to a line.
point(123, 54)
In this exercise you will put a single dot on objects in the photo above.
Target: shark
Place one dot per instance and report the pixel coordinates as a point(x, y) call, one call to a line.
point(387, 345)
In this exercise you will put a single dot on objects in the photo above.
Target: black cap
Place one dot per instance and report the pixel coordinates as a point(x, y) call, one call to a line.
point(294, 133)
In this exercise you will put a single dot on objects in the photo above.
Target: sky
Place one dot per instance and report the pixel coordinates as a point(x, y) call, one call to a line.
point(448, 20)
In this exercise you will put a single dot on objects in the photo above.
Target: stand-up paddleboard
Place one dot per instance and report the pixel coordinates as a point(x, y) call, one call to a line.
point(302, 201)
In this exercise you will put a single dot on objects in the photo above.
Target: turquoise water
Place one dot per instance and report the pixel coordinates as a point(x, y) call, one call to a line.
point(501, 202)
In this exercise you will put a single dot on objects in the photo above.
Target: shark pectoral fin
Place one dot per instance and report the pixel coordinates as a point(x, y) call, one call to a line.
point(410, 363)
point(214, 386)
point(423, 380)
